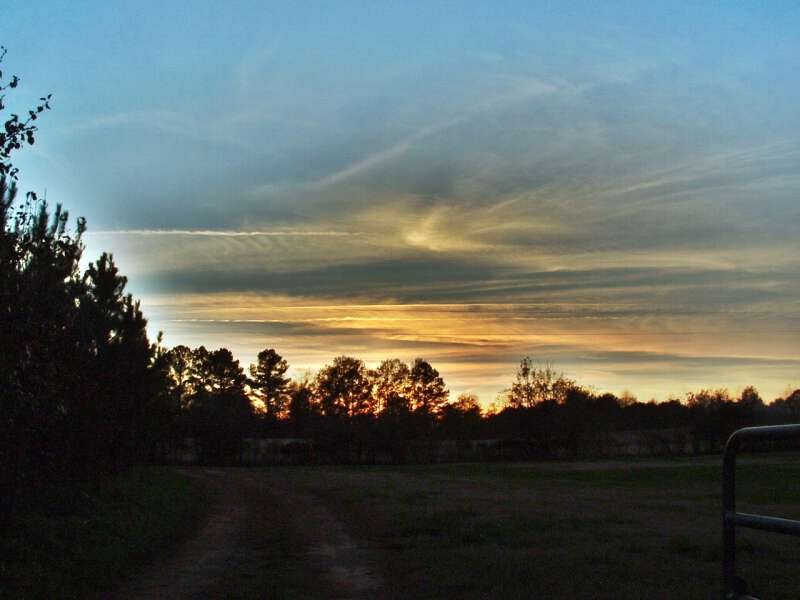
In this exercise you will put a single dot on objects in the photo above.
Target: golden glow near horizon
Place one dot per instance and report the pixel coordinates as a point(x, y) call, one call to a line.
point(476, 346)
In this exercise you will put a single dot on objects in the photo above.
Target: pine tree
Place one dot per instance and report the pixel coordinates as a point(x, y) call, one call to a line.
point(269, 381)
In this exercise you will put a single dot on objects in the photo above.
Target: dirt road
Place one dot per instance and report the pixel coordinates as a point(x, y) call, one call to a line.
point(261, 540)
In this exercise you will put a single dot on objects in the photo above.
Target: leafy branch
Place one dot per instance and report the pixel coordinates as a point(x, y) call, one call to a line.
point(16, 131)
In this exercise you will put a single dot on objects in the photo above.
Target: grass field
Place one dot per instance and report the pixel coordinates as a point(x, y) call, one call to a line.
point(80, 541)
point(629, 530)
point(621, 530)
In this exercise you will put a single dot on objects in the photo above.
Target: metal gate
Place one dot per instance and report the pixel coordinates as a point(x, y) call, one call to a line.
point(734, 586)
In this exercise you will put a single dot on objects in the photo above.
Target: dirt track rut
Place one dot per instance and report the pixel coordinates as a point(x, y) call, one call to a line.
point(201, 567)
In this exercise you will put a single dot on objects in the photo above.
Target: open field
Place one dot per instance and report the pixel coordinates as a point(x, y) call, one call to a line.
point(612, 529)
point(617, 530)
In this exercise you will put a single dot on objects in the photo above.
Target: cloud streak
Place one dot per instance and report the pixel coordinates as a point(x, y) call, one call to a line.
point(220, 233)
point(519, 93)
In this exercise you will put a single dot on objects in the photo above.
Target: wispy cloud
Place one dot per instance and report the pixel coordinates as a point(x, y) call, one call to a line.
point(181, 124)
point(398, 149)
point(520, 91)
point(222, 233)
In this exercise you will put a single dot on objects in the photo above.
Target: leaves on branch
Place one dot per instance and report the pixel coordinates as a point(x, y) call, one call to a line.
point(16, 132)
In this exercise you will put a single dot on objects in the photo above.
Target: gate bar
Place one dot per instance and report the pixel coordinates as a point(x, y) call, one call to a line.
point(734, 586)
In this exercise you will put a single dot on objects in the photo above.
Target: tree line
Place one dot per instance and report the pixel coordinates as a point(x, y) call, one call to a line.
point(344, 404)
point(554, 416)
point(355, 413)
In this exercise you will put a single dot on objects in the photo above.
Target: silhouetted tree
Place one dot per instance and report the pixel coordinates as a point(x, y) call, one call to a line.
point(427, 391)
point(81, 388)
point(125, 383)
point(713, 418)
point(523, 390)
point(40, 361)
point(220, 373)
point(269, 381)
point(786, 410)
point(179, 363)
point(80, 380)
point(581, 419)
point(302, 408)
point(37, 257)
point(461, 419)
point(17, 131)
point(467, 403)
point(221, 413)
point(391, 383)
point(343, 389)
point(533, 385)
point(750, 400)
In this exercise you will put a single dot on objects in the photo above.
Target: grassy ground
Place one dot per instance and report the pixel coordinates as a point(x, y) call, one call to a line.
point(563, 530)
point(521, 531)
point(81, 541)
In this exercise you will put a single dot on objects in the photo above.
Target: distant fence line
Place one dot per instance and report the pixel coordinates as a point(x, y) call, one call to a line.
point(299, 451)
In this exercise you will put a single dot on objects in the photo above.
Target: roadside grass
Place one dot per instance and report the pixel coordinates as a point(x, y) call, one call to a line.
point(520, 531)
point(81, 541)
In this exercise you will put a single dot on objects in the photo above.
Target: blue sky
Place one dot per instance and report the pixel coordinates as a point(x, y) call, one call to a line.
point(608, 187)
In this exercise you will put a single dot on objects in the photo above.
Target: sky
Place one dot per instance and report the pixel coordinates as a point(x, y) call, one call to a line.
point(610, 188)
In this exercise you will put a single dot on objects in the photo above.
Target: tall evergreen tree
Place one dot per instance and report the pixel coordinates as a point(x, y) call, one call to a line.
point(269, 381)
point(220, 411)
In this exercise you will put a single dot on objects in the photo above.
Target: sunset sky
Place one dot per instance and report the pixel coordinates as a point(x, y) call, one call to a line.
point(612, 188)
